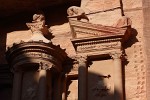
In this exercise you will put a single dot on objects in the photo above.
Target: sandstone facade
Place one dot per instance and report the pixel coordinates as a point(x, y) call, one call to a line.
point(97, 77)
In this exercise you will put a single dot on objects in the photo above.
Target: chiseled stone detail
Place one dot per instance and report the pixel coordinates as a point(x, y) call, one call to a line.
point(98, 46)
point(116, 55)
point(38, 28)
point(44, 66)
point(38, 23)
point(80, 27)
point(34, 53)
point(140, 70)
point(81, 59)
point(76, 12)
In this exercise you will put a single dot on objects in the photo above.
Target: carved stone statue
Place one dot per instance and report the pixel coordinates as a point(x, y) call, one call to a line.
point(38, 23)
point(38, 28)
point(76, 12)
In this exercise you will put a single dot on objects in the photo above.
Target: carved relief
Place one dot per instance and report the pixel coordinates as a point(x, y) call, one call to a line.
point(97, 46)
point(140, 70)
point(38, 23)
point(81, 59)
point(44, 66)
point(38, 28)
point(76, 12)
point(116, 55)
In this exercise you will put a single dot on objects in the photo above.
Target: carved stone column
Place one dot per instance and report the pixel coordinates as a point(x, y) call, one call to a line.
point(57, 87)
point(17, 86)
point(42, 85)
point(42, 91)
point(118, 78)
point(64, 88)
point(82, 78)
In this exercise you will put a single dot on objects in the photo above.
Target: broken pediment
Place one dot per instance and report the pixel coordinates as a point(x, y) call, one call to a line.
point(88, 37)
point(88, 30)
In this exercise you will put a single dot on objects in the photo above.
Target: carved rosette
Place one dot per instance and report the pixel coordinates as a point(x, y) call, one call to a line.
point(35, 55)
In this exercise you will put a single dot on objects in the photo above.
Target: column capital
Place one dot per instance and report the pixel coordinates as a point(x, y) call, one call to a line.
point(80, 58)
point(45, 66)
point(116, 55)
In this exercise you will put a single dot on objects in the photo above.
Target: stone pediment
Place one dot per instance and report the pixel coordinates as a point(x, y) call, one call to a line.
point(89, 38)
point(88, 30)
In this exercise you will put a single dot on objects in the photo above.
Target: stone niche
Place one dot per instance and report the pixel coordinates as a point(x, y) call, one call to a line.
point(101, 80)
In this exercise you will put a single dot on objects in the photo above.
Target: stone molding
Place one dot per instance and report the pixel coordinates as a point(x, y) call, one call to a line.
point(98, 46)
point(80, 27)
point(19, 56)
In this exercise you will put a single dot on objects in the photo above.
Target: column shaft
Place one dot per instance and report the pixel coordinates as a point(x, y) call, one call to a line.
point(118, 79)
point(57, 87)
point(49, 81)
point(42, 85)
point(82, 81)
point(17, 86)
point(64, 88)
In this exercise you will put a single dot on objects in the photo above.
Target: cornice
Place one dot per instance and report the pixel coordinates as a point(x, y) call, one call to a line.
point(35, 53)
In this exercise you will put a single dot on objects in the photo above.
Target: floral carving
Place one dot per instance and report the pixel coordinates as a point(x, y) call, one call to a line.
point(116, 55)
point(44, 66)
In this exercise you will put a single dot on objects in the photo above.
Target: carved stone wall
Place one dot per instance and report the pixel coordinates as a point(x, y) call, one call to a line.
point(101, 80)
point(105, 12)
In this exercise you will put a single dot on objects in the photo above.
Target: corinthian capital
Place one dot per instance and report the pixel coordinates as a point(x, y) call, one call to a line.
point(44, 66)
point(116, 55)
point(81, 59)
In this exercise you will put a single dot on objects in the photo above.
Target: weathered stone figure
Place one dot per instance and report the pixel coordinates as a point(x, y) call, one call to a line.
point(38, 28)
point(38, 22)
point(76, 12)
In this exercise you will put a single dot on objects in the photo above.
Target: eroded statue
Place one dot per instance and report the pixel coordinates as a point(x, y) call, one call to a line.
point(38, 28)
point(38, 22)
point(76, 12)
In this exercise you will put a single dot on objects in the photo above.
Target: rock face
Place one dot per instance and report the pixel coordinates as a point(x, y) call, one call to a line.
point(9, 7)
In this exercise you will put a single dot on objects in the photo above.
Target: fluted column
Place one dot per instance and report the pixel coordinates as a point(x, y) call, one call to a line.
point(118, 78)
point(82, 79)
point(17, 86)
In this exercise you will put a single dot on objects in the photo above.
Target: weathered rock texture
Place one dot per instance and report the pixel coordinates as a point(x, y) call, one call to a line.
point(8, 7)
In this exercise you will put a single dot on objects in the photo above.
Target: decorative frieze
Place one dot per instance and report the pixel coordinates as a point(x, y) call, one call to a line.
point(34, 53)
point(99, 47)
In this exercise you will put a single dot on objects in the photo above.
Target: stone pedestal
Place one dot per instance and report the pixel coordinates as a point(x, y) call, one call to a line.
point(118, 78)
point(82, 79)
point(17, 85)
